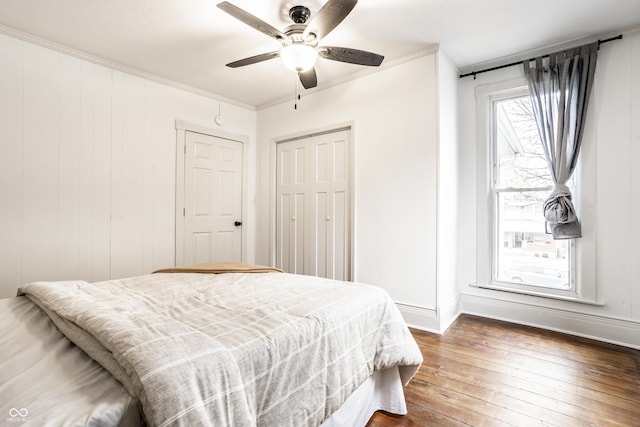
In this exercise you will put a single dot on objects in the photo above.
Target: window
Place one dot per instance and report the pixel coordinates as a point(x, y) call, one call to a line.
point(523, 256)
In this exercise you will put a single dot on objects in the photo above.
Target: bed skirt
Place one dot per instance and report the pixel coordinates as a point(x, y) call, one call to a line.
point(382, 391)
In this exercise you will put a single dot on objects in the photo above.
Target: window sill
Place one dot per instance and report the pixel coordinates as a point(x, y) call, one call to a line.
point(574, 299)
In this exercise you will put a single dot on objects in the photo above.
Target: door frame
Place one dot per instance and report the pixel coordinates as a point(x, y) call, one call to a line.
point(273, 165)
point(182, 127)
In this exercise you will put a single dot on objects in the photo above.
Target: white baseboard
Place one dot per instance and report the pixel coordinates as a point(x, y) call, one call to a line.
point(615, 331)
point(449, 312)
point(425, 319)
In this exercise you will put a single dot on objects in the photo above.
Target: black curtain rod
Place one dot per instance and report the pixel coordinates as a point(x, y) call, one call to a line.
point(499, 67)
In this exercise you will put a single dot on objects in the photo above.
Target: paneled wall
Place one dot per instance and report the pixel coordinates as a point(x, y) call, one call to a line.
point(87, 166)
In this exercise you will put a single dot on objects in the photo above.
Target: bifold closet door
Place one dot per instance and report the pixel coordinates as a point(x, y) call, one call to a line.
point(313, 209)
point(291, 182)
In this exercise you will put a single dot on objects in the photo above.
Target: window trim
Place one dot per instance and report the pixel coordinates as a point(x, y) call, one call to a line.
point(583, 291)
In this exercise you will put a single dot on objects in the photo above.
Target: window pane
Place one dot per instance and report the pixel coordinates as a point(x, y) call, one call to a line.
point(525, 253)
point(519, 153)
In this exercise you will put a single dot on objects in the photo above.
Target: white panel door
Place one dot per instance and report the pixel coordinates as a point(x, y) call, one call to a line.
point(213, 199)
point(291, 217)
point(330, 211)
point(313, 205)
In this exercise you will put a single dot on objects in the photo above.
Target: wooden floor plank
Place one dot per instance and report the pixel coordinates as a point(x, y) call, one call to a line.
point(618, 385)
point(553, 344)
point(485, 372)
point(464, 407)
point(529, 384)
point(560, 408)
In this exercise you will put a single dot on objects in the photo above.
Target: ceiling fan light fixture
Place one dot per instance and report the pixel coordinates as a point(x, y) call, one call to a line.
point(298, 57)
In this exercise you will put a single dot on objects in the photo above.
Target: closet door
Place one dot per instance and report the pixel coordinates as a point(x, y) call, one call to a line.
point(291, 196)
point(329, 206)
point(313, 211)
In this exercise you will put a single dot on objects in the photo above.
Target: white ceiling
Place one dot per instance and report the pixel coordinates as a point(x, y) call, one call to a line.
point(190, 41)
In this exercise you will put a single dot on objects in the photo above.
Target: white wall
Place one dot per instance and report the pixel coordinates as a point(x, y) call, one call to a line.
point(447, 237)
point(393, 113)
point(87, 167)
point(610, 204)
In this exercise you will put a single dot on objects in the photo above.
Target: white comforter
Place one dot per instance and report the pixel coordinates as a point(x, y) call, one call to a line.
point(240, 349)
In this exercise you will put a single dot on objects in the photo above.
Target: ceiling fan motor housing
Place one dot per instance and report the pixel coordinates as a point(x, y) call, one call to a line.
point(295, 33)
point(299, 14)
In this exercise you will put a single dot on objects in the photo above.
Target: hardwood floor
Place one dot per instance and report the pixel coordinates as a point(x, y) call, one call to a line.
point(484, 372)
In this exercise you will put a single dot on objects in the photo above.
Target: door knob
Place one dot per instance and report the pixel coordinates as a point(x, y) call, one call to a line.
point(237, 223)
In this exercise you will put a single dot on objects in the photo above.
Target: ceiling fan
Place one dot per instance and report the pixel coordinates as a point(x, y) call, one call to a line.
point(300, 40)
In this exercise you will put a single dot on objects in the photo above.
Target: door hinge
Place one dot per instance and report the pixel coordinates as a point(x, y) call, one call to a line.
point(184, 211)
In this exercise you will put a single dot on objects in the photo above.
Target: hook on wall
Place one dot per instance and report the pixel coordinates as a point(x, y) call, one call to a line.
point(219, 119)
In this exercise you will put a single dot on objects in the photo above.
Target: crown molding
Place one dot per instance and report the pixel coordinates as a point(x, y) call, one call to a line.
point(76, 53)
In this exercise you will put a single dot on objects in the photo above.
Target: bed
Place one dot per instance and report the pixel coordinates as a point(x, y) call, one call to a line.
point(219, 345)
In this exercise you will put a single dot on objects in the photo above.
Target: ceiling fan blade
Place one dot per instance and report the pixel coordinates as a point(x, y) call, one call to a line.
point(352, 56)
point(254, 59)
point(328, 17)
point(252, 21)
point(308, 78)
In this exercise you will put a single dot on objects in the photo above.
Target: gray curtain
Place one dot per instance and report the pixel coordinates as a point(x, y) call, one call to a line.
point(559, 89)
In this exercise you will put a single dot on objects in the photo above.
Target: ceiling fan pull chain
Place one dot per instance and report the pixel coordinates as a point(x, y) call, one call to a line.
point(296, 91)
